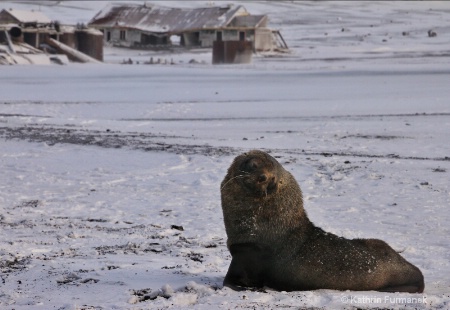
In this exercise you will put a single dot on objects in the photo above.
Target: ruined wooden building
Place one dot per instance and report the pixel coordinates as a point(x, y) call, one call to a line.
point(34, 31)
point(150, 26)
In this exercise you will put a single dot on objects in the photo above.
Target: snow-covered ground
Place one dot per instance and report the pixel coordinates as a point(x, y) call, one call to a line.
point(110, 173)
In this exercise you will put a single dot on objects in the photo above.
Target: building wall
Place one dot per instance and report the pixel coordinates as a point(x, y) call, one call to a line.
point(207, 37)
point(260, 37)
point(250, 35)
point(230, 35)
point(263, 39)
point(115, 36)
point(133, 38)
point(191, 39)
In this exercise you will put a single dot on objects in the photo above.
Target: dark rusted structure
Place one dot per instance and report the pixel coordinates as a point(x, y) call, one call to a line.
point(90, 43)
point(232, 52)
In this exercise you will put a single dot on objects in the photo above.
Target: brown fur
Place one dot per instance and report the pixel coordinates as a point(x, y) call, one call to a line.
point(274, 244)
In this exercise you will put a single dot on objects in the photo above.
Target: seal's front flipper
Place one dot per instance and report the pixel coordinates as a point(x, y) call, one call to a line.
point(247, 267)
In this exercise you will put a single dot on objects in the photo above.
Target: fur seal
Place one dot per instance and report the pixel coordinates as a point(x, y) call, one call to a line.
point(274, 244)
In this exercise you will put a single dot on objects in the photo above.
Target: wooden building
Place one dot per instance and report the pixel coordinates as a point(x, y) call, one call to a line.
point(36, 30)
point(151, 26)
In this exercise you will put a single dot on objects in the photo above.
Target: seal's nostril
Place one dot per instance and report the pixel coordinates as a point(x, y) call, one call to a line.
point(262, 178)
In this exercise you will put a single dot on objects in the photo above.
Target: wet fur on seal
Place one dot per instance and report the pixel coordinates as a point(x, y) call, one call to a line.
point(274, 244)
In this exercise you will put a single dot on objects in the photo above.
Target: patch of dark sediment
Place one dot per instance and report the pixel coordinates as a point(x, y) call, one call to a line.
point(159, 143)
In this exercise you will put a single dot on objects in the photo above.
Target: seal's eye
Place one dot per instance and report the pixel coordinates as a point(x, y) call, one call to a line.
point(251, 165)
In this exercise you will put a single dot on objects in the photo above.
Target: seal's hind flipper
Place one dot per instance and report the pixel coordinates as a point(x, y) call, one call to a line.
point(404, 289)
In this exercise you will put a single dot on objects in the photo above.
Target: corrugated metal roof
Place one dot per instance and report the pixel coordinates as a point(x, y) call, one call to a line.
point(250, 21)
point(163, 19)
point(29, 16)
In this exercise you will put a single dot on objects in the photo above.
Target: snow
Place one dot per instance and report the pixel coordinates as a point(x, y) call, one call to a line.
point(111, 173)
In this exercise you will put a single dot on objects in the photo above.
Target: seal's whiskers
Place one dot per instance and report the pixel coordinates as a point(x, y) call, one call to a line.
point(236, 177)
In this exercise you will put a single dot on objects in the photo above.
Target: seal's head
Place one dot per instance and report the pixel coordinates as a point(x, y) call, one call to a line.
point(256, 172)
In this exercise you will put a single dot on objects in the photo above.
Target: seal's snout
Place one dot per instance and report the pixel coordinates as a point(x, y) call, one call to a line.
point(266, 180)
point(258, 176)
point(262, 178)
point(263, 184)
